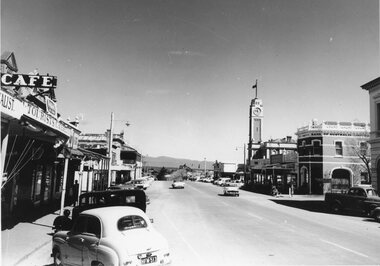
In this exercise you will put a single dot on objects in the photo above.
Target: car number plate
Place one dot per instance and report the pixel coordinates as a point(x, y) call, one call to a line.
point(150, 259)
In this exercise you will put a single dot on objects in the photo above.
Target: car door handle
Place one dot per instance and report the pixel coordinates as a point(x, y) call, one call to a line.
point(81, 240)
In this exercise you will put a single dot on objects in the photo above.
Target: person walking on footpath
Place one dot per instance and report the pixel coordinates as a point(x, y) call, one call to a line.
point(62, 222)
point(75, 192)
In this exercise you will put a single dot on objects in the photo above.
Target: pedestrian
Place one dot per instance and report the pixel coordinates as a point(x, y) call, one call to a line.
point(75, 192)
point(274, 191)
point(63, 222)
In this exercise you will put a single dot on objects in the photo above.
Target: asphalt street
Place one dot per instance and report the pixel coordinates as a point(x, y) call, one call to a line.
point(206, 228)
point(203, 227)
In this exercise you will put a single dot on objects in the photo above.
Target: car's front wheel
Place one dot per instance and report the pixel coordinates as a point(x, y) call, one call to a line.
point(57, 257)
point(377, 216)
point(336, 208)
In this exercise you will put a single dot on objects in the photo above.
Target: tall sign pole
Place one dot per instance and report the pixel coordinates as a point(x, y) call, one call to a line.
point(250, 130)
point(110, 151)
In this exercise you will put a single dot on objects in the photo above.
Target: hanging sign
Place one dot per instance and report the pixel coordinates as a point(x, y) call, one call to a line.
point(28, 80)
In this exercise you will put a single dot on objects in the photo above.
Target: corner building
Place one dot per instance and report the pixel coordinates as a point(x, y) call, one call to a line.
point(329, 156)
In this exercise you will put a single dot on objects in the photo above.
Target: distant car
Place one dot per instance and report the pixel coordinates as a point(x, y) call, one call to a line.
point(237, 183)
point(222, 180)
point(139, 183)
point(231, 188)
point(111, 236)
point(122, 186)
point(178, 184)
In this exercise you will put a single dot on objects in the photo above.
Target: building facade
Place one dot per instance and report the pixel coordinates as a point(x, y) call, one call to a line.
point(373, 88)
point(31, 136)
point(332, 156)
point(126, 162)
point(274, 163)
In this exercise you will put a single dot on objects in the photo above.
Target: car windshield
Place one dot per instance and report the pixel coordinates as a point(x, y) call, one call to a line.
point(371, 192)
point(131, 222)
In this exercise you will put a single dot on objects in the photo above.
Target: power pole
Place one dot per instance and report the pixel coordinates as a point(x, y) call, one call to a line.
point(110, 150)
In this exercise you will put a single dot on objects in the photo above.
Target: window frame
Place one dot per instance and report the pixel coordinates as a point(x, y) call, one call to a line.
point(340, 148)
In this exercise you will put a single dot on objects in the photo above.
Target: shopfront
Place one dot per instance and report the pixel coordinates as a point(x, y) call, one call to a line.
point(31, 136)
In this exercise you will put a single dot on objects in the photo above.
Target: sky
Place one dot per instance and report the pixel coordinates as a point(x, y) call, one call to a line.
point(180, 72)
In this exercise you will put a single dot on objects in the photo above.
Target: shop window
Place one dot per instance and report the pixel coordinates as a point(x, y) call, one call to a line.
point(48, 175)
point(338, 148)
point(37, 181)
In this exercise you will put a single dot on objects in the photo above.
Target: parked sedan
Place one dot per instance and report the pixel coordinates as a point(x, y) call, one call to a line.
point(178, 184)
point(111, 236)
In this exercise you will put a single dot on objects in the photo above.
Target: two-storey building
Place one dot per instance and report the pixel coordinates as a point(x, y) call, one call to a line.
point(332, 156)
point(373, 88)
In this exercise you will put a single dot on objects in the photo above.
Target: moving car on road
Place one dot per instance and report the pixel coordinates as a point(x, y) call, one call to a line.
point(231, 189)
point(111, 236)
point(178, 184)
point(139, 183)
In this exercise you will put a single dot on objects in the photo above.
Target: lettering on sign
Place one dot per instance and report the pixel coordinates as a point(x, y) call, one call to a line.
point(40, 115)
point(28, 80)
point(7, 102)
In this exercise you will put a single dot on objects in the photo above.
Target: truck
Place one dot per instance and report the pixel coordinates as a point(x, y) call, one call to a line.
point(362, 200)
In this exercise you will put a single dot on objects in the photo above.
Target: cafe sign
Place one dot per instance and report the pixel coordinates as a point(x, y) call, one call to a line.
point(22, 80)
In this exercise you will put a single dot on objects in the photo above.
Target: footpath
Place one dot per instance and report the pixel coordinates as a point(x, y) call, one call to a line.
point(28, 243)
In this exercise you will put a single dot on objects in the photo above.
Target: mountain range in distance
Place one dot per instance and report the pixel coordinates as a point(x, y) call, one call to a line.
point(169, 162)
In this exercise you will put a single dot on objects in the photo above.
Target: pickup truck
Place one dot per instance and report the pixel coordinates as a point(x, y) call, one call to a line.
point(360, 199)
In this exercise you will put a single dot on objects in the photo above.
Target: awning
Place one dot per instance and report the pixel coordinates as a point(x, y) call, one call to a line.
point(82, 154)
point(93, 155)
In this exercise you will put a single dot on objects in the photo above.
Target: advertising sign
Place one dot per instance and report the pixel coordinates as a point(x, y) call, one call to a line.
point(21, 80)
point(51, 107)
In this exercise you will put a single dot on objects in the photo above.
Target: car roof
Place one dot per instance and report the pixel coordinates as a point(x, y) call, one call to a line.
point(110, 215)
point(113, 211)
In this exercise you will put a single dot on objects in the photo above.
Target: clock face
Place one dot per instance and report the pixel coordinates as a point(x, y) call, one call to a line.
point(256, 111)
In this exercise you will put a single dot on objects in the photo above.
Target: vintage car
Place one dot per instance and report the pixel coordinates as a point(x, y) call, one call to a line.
point(139, 183)
point(113, 197)
point(111, 236)
point(178, 184)
point(362, 200)
point(231, 189)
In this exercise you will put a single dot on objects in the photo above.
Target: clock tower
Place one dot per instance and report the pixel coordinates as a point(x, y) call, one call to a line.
point(257, 119)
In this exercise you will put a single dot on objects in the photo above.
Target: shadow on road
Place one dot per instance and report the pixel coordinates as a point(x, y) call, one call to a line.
point(316, 206)
point(308, 205)
point(227, 195)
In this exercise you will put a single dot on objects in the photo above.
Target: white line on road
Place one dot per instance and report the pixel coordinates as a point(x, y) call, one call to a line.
point(347, 249)
point(183, 238)
point(255, 216)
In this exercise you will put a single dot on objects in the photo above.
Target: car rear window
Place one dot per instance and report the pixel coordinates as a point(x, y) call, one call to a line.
point(131, 222)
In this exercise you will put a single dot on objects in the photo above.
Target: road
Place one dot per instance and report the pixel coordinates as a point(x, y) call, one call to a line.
point(204, 227)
